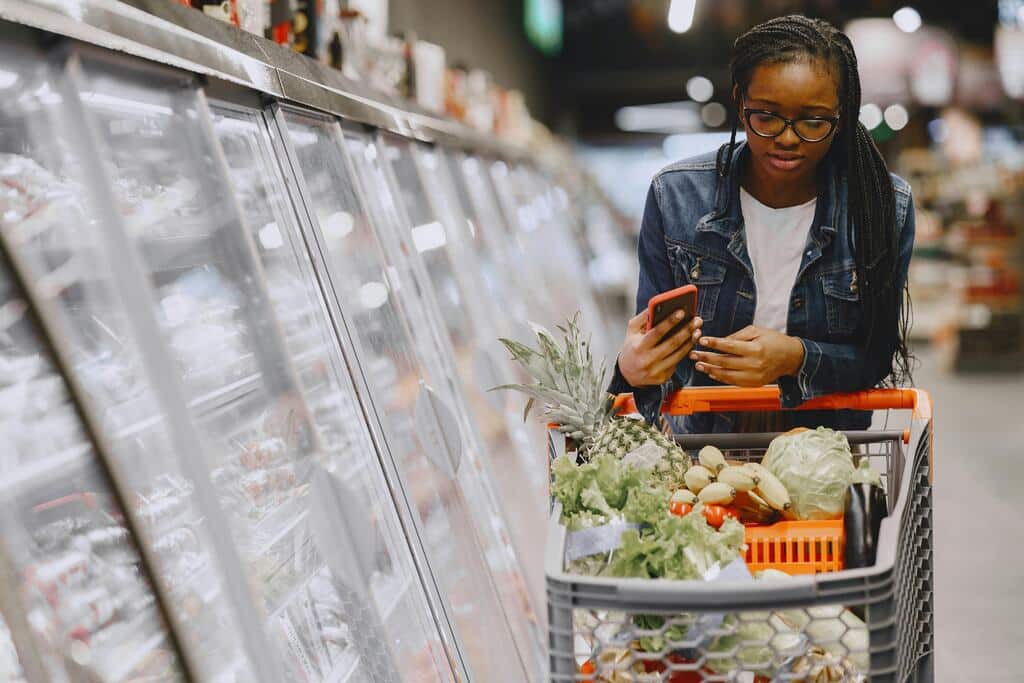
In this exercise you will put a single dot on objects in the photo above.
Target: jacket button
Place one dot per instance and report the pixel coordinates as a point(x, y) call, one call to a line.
point(695, 272)
point(797, 303)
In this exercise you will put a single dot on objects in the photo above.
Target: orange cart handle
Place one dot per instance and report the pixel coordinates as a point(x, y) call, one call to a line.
point(766, 399)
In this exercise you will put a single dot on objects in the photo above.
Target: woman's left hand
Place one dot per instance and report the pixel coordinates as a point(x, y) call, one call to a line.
point(752, 357)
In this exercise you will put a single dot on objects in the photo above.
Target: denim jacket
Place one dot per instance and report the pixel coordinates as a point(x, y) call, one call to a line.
point(688, 236)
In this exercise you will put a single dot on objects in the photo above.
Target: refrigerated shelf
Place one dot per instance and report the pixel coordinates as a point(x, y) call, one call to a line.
point(217, 278)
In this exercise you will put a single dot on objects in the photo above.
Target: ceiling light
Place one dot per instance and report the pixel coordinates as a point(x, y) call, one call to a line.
point(689, 145)
point(7, 79)
point(871, 116)
point(713, 114)
point(680, 15)
point(907, 19)
point(667, 117)
point(700, 89)
point(896, 116)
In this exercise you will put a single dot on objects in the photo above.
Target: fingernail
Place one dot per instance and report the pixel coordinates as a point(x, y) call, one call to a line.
point(678, 315)
point(694, 356)
point(696, 335)
point(698, 321)
point(700, 367)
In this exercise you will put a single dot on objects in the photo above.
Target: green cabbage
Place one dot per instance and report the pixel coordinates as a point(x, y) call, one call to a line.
point(816, 467)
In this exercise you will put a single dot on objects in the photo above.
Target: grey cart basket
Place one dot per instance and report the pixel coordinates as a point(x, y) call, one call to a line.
point(868, 624)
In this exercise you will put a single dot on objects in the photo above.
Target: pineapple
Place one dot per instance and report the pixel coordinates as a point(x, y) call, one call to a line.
point(572, 390)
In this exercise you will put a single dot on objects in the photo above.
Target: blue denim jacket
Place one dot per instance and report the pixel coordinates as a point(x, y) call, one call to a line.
point(688, 237)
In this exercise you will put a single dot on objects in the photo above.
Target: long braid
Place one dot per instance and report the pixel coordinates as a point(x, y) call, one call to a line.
point(872, 231)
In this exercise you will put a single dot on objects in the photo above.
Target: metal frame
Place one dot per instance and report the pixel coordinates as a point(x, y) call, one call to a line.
point(171, 34)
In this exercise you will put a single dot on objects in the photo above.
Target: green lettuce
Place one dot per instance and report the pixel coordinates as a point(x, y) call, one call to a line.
point(680, 548)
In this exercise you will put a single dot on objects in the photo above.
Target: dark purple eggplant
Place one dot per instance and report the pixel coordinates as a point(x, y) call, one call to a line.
point(866, 507)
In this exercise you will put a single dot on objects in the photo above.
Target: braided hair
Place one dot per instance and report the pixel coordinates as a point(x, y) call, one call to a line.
point(872, 234)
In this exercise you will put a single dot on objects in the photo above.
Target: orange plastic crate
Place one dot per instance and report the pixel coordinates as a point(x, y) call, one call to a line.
point(796, 547)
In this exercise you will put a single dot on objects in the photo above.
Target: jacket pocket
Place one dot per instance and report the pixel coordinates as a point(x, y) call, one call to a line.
point(690, 266)
point(842, 300)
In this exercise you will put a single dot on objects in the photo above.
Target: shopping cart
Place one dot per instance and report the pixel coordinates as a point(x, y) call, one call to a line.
point(867, 624)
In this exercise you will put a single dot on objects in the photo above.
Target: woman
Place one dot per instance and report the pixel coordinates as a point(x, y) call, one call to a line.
point(798, 241)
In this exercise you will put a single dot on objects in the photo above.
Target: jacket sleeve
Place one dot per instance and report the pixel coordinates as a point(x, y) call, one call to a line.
point(833, 368)
point(655, 277)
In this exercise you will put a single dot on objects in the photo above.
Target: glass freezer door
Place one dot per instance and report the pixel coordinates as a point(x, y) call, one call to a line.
point(73, 578)
point(498, 232)
point(376, 559)
point(63, 224)
point(549, 234)
point(418, 425)
point(434, 238)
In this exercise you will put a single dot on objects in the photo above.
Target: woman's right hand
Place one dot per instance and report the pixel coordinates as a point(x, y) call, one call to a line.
point(643, 361)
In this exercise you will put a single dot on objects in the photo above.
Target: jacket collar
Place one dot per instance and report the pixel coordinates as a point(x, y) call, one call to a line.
point(727, 219)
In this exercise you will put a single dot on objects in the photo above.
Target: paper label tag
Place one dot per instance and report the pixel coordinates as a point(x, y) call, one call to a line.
point(599, 539)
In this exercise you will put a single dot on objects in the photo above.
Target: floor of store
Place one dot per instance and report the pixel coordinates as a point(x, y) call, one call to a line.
point(978, 474)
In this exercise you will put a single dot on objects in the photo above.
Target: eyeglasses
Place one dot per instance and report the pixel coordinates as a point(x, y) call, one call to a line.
point(768, 124)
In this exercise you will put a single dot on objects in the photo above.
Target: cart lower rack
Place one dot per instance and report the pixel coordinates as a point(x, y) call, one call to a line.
point(867, 624)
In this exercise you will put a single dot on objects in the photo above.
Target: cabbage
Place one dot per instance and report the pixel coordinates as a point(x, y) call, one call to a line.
point(816, 467)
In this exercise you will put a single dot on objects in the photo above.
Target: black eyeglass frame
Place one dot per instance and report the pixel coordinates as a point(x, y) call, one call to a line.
point(790, 123)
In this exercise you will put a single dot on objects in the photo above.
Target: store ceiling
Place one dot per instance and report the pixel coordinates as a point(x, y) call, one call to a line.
point(621, 52)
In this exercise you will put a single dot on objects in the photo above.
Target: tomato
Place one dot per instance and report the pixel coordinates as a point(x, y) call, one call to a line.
point(679, 509)
point(675, 676)
point(588, 668)
point(716, 514)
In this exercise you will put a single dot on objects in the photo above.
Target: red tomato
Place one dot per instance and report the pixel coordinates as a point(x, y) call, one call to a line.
point(676, 676)
point(679, 509)
point(716, 514)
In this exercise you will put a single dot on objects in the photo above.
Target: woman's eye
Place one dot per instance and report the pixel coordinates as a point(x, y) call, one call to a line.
point(815, 124)
point(765, 119)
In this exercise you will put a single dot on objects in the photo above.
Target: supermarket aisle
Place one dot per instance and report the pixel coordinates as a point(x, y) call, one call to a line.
point(978, 524)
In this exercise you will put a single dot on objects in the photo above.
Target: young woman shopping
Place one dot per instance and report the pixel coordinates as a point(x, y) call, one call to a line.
point(798, 241)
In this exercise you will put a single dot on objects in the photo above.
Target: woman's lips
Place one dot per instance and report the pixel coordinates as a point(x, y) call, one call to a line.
point(784, 163)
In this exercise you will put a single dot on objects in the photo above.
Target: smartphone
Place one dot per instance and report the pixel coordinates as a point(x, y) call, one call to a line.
point(661, 306)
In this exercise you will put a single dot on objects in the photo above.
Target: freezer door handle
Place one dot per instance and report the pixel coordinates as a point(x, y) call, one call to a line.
point(438, 430)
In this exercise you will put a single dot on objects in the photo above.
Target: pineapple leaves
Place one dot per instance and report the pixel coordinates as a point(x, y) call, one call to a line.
point(566, 380)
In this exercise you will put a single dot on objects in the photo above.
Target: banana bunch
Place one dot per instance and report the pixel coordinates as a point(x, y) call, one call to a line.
point(752, 491)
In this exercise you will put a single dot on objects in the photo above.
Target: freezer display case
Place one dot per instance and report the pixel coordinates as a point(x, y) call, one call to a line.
point(62, 223)
point(544, 244)
point(365, 552)
point(73, 581)
point(484, 189)
point(10, 665)
point(395, 348)
point(435, 235)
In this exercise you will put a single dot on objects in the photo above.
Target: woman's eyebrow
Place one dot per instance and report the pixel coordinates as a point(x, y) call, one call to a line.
point(772, 103)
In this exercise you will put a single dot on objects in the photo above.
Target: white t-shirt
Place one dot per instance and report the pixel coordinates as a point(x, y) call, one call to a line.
point(776, 239)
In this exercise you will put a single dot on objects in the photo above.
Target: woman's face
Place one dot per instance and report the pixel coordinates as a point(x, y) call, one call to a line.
point(794, 90)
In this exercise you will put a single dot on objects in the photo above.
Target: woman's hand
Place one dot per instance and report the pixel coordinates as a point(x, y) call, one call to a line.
point(752, 357)
point(643, 361)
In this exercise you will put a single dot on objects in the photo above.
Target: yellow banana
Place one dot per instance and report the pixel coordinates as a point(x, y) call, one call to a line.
point(697, 477)
point(684, 496)
point(711, 458)
point(773, 492)
point(717, 493)
point(738, 477)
